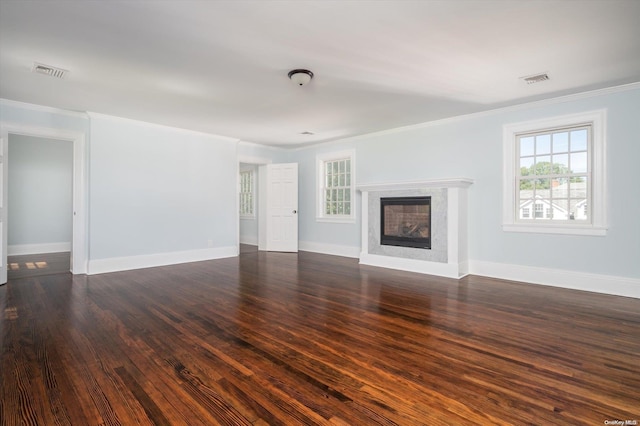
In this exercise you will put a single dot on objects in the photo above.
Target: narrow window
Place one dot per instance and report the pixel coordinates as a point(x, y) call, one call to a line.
point(336, 187)
point(246, 194)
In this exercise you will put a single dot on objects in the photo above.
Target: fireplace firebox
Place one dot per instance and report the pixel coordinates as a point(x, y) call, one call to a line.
point(405, 222)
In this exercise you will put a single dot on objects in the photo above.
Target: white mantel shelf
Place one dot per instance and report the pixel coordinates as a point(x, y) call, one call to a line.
point(431, 183)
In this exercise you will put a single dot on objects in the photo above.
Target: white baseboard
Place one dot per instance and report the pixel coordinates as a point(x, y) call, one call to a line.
point(411, 265)
point(249, 239)
point(334, 249)
point(607, 284)
point(20, 249)
point(114, 264)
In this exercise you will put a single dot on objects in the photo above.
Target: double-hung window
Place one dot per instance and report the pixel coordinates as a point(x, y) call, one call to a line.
point(554, 175)
point(246, 194)
point(336, 187)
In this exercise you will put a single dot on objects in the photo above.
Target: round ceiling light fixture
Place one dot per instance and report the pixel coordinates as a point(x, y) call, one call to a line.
point(300, 76)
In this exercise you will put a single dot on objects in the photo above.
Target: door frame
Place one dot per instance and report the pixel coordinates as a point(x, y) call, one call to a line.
point(79, 240)
point(258, 161)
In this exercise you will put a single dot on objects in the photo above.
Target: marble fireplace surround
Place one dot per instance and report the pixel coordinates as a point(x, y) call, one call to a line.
point(448, 256)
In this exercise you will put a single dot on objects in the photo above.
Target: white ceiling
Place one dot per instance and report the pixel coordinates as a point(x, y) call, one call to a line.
point(221, 66)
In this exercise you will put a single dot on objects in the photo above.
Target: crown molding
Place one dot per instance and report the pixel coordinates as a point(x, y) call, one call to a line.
point(42, 108)
point(97, 115)
point(480, 114)
point(261, 146)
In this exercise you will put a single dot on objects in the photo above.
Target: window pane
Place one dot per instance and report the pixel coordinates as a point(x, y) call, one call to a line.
point(334, 195)
point(561, 142)
point(542, 184)
point(348, 166)
point(347, 195)
point(579, 162)
point(578, 187)
point(347, 208)
point(560, 209)
point(348, 180)
point(340, 208)
point(335, 180)
point(327, 195)
point(526, 146)
point(342, 167)
point(561, 163)
point(526, 185)
point(340, 194)
point(543, 165)
point(576, 208)
point(526, 162)
point(543, 144)
point(579, 140)
point(335, 167)
point(560, 188)
point(341, 180)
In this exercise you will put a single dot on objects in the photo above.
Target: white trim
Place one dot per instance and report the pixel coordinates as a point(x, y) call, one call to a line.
point(114, 264)
point(42, 108)
point(252, 240)
point(416, 184)
point(474, 115)
point(550, 228)
point(607, 284)
point(80, 246)
point(259, 145)
point(20, 249)
point(249, 159)
point(447, 270)
point(148, 124)
point(333, 249)
point(321, 159)
point(598, 225)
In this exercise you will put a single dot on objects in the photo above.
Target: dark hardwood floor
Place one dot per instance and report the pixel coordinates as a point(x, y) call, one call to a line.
point(286, 339)
point(32, 265)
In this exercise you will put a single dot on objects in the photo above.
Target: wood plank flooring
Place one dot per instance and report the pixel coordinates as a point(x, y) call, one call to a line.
point(31, 265)
point(305, 339)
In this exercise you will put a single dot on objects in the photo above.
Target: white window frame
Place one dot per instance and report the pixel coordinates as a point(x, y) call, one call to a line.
point(251, 215)
point(597, 173)
point(321, 160)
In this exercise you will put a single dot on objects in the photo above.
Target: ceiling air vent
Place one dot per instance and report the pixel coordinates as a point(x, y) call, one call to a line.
point(538, 78)
point(48, 70)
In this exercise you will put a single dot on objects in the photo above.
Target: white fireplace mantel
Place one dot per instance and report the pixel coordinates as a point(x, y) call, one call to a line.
point(418, 184)
point(456, 265)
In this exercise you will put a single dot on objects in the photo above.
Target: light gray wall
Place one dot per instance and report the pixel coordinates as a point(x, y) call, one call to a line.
point(40, 191)
point(158, 190)
point(472, 147)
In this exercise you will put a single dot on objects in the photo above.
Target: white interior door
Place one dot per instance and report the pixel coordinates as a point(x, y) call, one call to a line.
point(282, 207)
point(3, 211)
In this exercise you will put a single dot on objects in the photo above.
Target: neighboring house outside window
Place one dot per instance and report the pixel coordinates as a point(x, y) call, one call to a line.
point(246, 194)
point(336, 187)
point(558, 166)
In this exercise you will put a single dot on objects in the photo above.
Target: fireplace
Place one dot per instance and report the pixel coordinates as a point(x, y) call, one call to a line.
point(405, 222)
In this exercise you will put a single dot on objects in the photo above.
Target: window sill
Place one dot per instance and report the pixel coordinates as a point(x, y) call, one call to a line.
point(556, 229)
point(247, 217)
point(336, 219)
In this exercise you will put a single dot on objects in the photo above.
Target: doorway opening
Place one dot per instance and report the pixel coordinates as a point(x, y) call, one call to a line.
point(40, 206)
point(78, 251)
